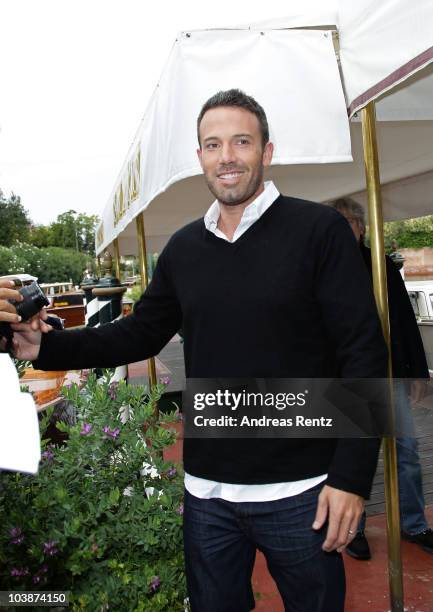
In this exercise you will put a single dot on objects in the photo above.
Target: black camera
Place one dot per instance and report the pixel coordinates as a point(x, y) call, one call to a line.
point(34, 300)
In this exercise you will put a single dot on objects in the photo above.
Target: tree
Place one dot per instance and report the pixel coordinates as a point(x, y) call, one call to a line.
point(58, 265)
point(40, 236)
point(87, 228)
point(412, 233)
point(11, 262)
point(72, 231)
point(14, 220)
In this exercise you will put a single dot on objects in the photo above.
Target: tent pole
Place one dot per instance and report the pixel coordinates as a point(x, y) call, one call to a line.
point(381, 295)
point(144, 282)
point(116, 258)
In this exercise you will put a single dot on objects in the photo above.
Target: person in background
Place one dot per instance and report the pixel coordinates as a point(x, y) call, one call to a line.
point(408, 362)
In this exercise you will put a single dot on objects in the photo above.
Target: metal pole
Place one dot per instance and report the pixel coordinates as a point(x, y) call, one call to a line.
point(116, 259)
point(144, 282)
point(381, 294)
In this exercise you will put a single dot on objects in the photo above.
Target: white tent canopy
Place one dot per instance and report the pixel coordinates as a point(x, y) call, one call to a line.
point(294, 74)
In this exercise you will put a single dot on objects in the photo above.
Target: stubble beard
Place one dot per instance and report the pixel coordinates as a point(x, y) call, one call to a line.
point(232, 197)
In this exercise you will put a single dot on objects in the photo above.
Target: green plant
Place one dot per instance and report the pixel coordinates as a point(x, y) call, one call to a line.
point(134, 293)
point(103, 517)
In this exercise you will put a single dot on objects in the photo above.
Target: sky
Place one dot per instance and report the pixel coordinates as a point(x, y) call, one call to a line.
point(75, 80)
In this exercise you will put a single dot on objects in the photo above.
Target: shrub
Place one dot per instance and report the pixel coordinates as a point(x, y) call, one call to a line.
point(93, 521)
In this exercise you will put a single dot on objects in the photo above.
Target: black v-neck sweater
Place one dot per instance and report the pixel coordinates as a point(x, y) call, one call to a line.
point(290, 298)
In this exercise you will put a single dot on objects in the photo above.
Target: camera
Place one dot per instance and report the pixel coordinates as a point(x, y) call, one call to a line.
point(34, 300)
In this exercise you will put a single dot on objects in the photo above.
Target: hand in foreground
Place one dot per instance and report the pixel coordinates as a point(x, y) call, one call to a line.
point(38, 322)
point(8, 313)
point(343, 511)
point(26, 341)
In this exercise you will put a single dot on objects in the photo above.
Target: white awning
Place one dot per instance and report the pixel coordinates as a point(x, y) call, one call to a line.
point(298, 74)
point(386, 49)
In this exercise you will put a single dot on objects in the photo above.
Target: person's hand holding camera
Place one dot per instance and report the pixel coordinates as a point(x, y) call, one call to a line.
point(8, 313)
point(26, 342)
point(23, 339)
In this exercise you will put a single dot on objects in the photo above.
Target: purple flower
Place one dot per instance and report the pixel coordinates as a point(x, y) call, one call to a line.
point(180, 509)
point(164, 380)
point(39, 574)
point(15, 531)
point(111, 433)
point(178, 416)
point(86, 429)
point(18, 540)
point(19, 571)
point(17, 535)
point(154, 584)
point(112, 390)
point(50, 548)
point(48, 455)
point(171, 472)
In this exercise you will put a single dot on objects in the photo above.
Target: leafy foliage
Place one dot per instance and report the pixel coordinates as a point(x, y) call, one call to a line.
point(70, 231)
point(14, 220)
point(60, 265)
point(413, 233)
point(134, 293)
point(103, 518)
point(49, 265)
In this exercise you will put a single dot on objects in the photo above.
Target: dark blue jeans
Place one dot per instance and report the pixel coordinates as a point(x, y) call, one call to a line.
point(221, 539)
point(411, 497)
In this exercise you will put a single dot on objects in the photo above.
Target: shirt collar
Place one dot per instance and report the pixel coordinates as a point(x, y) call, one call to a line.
point(252, 212)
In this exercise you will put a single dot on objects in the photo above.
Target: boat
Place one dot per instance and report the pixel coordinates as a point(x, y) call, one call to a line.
point(66, 302)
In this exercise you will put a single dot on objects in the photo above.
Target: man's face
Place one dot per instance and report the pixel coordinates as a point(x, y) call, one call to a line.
point(232, 154)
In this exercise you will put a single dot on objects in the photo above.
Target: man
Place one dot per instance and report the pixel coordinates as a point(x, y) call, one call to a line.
point(408, 362)
point(260, 290)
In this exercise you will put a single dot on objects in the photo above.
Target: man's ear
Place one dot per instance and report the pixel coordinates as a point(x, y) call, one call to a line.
point(267, 154)
point(199, 155)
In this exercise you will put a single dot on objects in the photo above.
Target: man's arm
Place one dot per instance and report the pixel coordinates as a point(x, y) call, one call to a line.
point(344, 292)
point(155, 320)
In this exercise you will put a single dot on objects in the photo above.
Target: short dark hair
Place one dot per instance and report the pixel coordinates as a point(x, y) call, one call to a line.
point(236, 97)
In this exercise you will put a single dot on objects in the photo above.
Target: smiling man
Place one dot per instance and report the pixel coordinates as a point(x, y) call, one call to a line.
point(272, 281)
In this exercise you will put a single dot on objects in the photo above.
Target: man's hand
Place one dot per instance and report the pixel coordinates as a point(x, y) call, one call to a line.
point(38, 322)
point(8, 313)
point(343, 511)
point(26, 341)
point(418, 390)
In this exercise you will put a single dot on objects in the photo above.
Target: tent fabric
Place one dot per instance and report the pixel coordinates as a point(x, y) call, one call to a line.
point(296, 68)
point(385, 52)
point(381, 44)
point(406, 175)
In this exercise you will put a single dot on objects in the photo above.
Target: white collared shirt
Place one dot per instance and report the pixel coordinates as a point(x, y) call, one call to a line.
point(251, 214)
point(206, 489)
